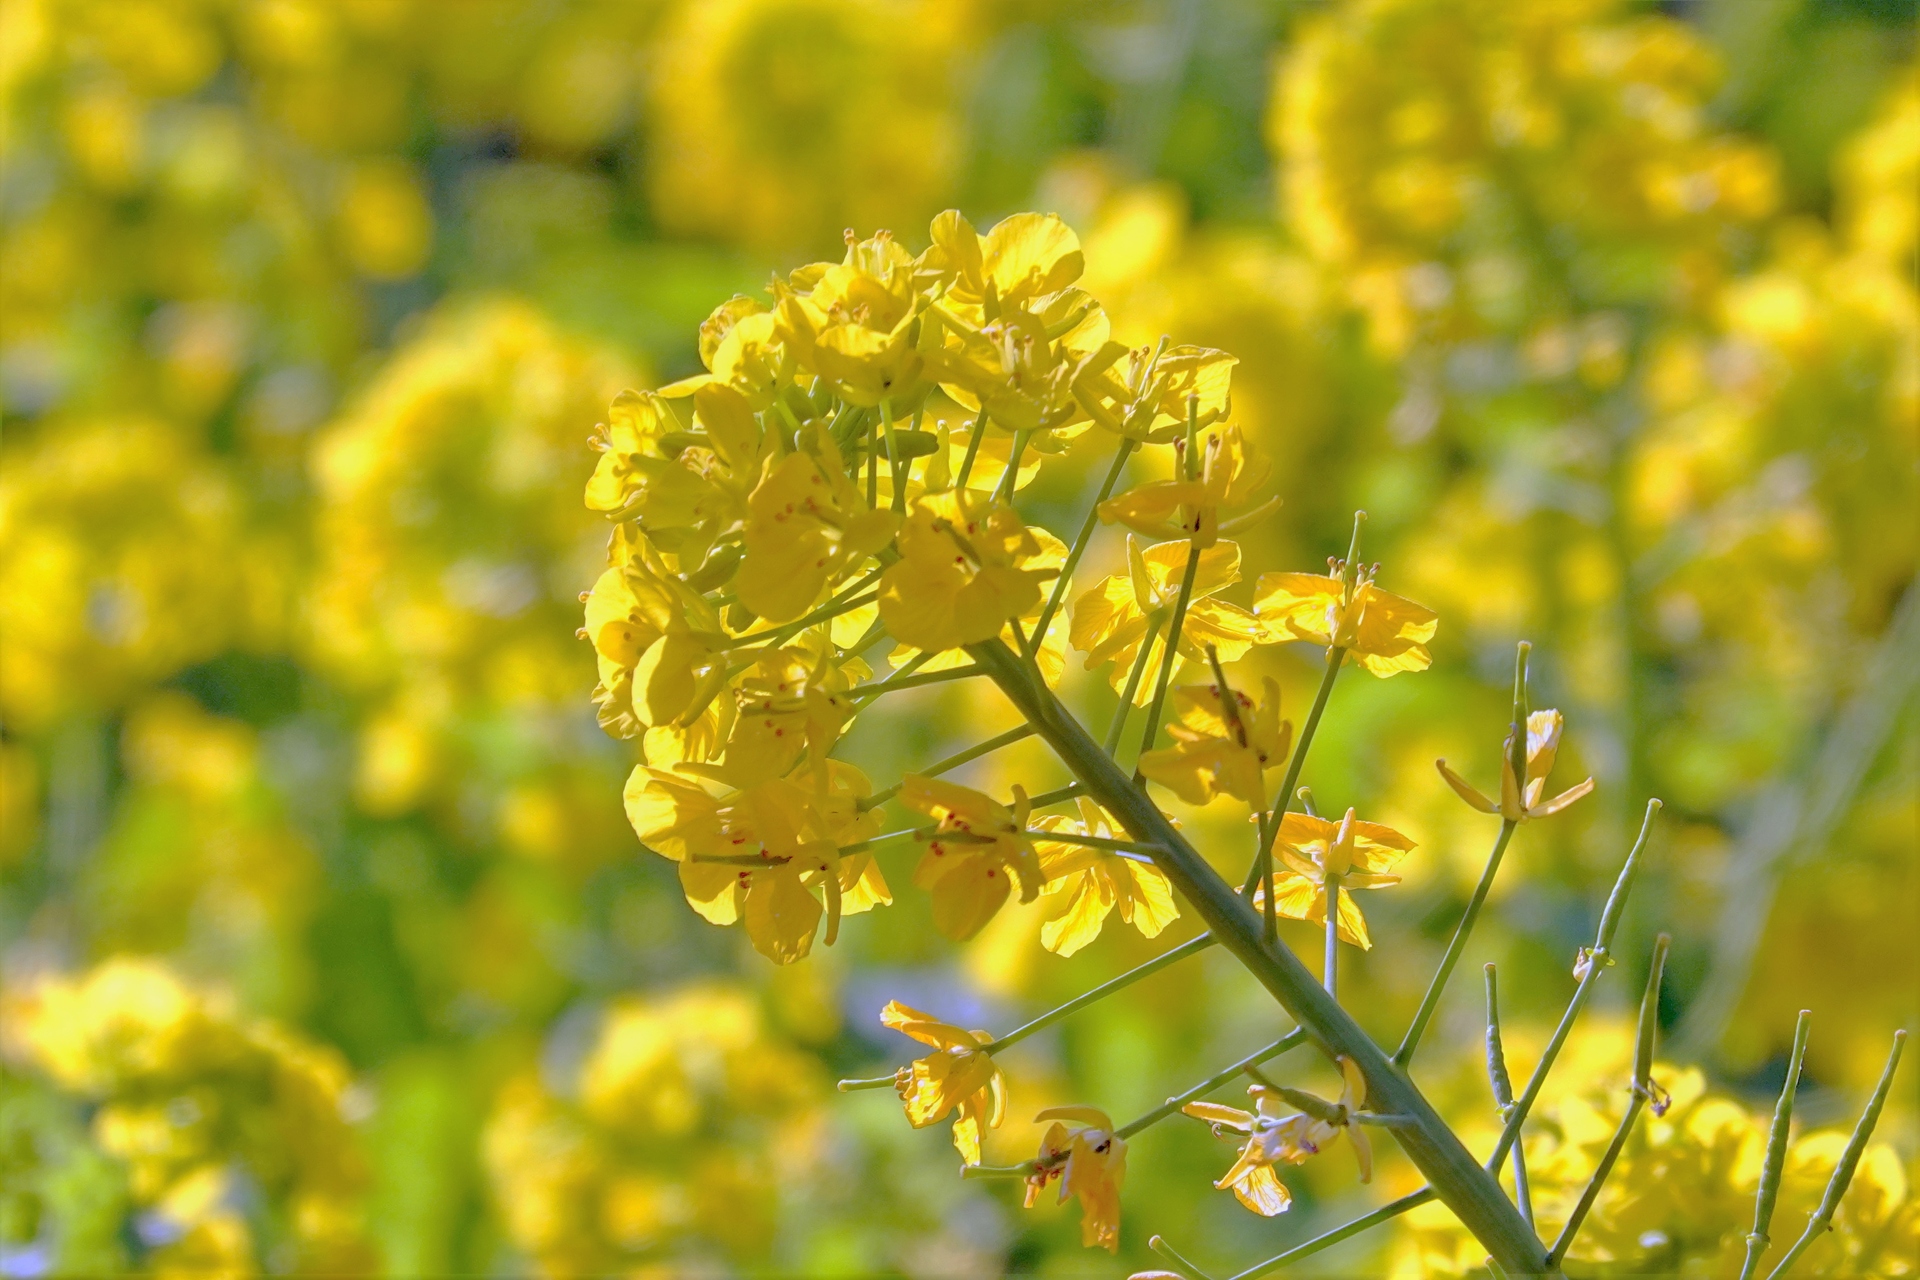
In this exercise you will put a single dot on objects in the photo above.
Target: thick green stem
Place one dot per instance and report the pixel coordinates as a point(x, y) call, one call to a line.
point(1192, 947)
point(1776, 1159)
point(1473, 1195)
point(1431, 1001)
point(1822, 1220)
point(1080, 544)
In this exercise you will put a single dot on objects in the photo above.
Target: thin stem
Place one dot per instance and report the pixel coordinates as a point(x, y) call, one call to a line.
point(1190, 948)
point(1180, 1264)
point(863, 846)
point(1329, 972)
point(1168, 654)
point(1385, 1213)
point(973, 449)
point(1597, 961)
point(895, 480)
point(952, 762)
point(1769, 1192)
point(1095, 842)
point(873, 1082)
point(1822, 1218)
point(1642, 1090)
point(1171, 1106)
point(1120, 713)
point(1283, 799)
point(844, 602)
point(1464, 930)
point(1057, 795)
point(1503, 1094)
point(1010, 481)
point(1080, 543)
point(914, 680)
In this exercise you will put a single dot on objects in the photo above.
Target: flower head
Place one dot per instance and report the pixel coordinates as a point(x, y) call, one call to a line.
point(1356, 855)
point(1223, 744)
point(959, 1076)
point(1519, 801)
point(1091, 1162)
point(1275, 1136)
point(1383, 633)
point(976, 850)
point(1085, 885)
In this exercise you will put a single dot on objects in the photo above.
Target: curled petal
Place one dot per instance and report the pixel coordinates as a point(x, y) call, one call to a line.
point(1562, 800)
point(1464, 789)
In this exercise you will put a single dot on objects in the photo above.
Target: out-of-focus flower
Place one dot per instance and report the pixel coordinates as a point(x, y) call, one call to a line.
point(1091, 1162)
point(1276, 1136)
point(1084, 885)
point(676, 1129)
point(1519, 803)
point(959, 1075)
point(975, 852)
point(204, 1107)
point(1382, 632)
point(778, 122)
point(1223, 744)
point(1358, 855)
point(1112, 621)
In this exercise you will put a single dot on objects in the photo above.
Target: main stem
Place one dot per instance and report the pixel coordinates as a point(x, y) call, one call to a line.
point(1457, 1178)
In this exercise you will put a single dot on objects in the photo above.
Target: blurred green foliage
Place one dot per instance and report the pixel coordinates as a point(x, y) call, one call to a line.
point(1604, 311)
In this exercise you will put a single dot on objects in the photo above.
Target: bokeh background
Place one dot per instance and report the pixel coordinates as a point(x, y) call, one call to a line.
point(325, 945)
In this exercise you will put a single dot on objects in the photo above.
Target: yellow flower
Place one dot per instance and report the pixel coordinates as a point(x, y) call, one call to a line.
point(762, 851)
point(1024, 257)
point(1154, 396)
point(1091, 1162)
point(976, 850)
point(1520, 803)
point(858, 323)
point(1223, 745)
point(744, 350)
point(1050, 657)
point(960, 1076)
point(1359, 855)
point(685, 488)
point(659, 644)
point(959, 579)
point(1275, 1137)
point(1382, 632)
point(791, 701)
point(1231, 474)
point(806, 525)
point(1112, 620)
point(1085, 884)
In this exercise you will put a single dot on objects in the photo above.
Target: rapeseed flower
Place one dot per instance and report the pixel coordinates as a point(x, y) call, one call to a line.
point(1223, 744)
point(959, 1076)
point(959, 579)
point(1231, 474)
point(1276, 1137)
point(976, 850)
point(1112, 620)
point(1352, 854)
point(1084, 885)
point(1091, 1162)
point(1519, 801)
point(1383, 633)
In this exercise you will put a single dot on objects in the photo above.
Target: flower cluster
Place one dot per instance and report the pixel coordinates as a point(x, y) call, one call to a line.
point(662, 1143)
point(209, 1112)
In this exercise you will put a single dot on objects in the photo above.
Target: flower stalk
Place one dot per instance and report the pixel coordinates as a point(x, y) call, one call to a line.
point(1776, 1158)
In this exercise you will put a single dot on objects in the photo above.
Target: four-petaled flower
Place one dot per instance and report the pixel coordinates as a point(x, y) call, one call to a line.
point(976, 850)
point(1231, 474)
point(959, 579)
point(1222, 745)
point(1085, 884)
point(1383, 633)
point(1276, 1137)
point(1091, 1163)
point(1114, 619)
point(1520, 802)
point(1354, 854)
point(960, 1075)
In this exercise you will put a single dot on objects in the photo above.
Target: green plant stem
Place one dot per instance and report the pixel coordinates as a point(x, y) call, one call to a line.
point(1641, 1089)
point(1293, 1039)
point(1180, 1264)
point(1283, 799)
point(1055, 796)
point(1120, 713)
point(913, 680)
point(895, 480)
point(1467, 1189)
point(974, 438)
point(1502, 1084)
point(1330, 967)
point(1080, 543)
point(1603, 939)
point(1385, 1213)
point(1464, 930)
point(1009, 482)
point(952, 762)
point(1168, 653)
point(1776, 1159)
point(846, 601)
point(1094, 842)
point(1192, 947)
point(1822, 1219)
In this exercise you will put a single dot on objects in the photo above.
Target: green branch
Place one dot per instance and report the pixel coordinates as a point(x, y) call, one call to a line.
point(1777, 1133)
point(1464, 930)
